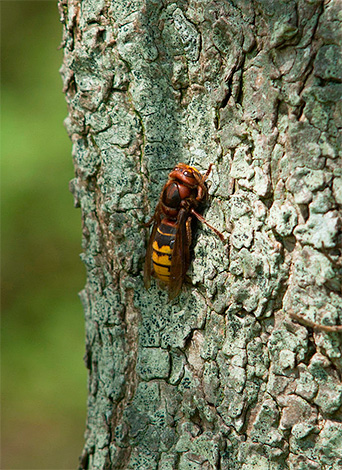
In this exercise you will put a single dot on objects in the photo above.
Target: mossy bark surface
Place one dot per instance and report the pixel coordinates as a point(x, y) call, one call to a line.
point(222, 377)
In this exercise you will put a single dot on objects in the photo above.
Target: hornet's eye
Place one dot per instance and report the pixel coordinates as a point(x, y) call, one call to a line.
point(187, 173)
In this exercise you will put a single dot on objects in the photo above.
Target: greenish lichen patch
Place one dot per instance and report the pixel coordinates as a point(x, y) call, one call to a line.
point(328, 63)
point(153, 363)
point(320, 230)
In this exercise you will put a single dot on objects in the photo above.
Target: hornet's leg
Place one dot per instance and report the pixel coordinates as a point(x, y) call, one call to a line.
point(208, 172)
point(202, 219)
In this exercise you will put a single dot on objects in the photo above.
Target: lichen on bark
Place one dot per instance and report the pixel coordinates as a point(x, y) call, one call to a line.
point(222, 377)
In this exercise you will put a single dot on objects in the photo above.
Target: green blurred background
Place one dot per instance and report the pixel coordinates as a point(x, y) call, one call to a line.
point(43, 375)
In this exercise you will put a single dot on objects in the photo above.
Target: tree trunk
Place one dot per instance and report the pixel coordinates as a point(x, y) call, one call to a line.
point(223, 377)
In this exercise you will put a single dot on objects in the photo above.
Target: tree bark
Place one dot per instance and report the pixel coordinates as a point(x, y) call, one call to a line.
point(223, 377)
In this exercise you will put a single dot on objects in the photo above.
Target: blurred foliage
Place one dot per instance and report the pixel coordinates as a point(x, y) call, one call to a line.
point(43, 375)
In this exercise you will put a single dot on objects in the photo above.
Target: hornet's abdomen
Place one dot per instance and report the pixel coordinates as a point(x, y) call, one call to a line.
point(162, 249)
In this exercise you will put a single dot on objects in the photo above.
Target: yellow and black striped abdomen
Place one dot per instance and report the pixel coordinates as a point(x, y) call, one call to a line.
point(162, 251)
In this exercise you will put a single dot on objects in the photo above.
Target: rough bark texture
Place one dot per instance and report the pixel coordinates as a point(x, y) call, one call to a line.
point(221, 378)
